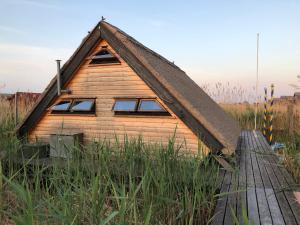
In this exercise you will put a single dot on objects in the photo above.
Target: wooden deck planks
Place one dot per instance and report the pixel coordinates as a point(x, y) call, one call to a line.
point(242, 194)
point(260, 176)
point(222, 200)
point(269, 209)
point(253, 213)
point(261, 186)
point(283, 188)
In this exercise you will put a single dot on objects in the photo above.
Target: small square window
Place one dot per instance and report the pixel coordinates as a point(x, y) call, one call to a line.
point(150, 105)
point(83, 105)
point(61, 106)
point(128, 105)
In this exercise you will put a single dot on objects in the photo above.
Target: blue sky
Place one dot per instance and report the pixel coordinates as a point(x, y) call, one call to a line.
point(213, 41)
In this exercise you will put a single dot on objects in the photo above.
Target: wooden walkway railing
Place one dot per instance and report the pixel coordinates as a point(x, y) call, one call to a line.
point(260, 190)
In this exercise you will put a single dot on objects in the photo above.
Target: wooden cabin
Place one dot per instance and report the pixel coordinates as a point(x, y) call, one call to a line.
point(113, 85)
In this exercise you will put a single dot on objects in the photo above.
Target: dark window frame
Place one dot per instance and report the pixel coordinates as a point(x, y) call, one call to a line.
point(136, 112)
point(126, 99)
point(82, 100)
point(92, 111)
point(104, 61)
point(142, 99)
point(61, 102)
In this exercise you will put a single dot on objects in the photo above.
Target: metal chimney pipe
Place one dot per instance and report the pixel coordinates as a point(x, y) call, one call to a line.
point(58, 77)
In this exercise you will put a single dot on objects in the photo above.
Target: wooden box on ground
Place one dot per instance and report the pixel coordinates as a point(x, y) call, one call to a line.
point(63, 145)
point(36, 150)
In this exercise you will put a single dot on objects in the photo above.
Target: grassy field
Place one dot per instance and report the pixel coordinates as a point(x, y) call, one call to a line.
point(134, 183)
point(107, 183)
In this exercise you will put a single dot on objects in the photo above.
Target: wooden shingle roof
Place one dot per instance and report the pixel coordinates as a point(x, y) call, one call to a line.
point(180, 93)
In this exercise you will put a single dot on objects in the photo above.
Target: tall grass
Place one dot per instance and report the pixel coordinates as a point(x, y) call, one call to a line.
point(244, 113)
point(129, 183)
point(229, 93)
point(107, 183)
point(291, 154)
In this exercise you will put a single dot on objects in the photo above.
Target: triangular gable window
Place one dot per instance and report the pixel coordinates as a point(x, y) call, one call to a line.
point(104, 56)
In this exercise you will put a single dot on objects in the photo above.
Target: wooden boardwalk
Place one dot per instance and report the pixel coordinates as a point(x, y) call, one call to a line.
point(260, 190)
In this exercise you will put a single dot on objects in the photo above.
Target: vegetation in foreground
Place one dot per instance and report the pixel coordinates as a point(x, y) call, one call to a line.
point(130, 184)
point(106, 183)
point(291, 154)
point(133, 183)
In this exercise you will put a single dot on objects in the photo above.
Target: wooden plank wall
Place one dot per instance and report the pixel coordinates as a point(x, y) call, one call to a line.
point(104, 82)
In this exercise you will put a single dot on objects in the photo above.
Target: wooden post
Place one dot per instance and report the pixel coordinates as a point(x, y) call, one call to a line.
point(290, 119)
point(16, 108)
point(265, 130)
point(271, 116)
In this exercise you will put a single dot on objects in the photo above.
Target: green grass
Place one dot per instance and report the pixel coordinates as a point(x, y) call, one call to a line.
point(113, 183)
point(108, 183)
point(246, 118)
point(291, 154)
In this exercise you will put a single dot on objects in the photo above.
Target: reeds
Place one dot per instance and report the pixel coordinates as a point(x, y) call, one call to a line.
point(128, 182)
point(113, 183)
point(132, 183)
point(291, 154)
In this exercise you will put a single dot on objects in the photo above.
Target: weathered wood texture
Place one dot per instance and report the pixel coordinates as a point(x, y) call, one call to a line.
point(261, 189)
point(104, 82)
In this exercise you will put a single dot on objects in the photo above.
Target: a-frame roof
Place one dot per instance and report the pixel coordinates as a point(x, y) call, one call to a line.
point(180, 93)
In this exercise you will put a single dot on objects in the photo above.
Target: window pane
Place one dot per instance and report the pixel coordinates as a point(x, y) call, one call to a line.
point(103, 54)
point(85, 105)
point(104, 57)
point(61, 106)
point(150, 105)
point(125, 105)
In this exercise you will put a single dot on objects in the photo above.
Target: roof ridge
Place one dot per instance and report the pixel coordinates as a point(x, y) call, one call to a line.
point(145, 47)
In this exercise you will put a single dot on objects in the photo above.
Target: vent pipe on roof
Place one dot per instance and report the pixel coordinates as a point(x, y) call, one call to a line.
point(58, 79)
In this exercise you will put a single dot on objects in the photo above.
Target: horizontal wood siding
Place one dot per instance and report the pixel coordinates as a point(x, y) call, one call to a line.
point(104, 82)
